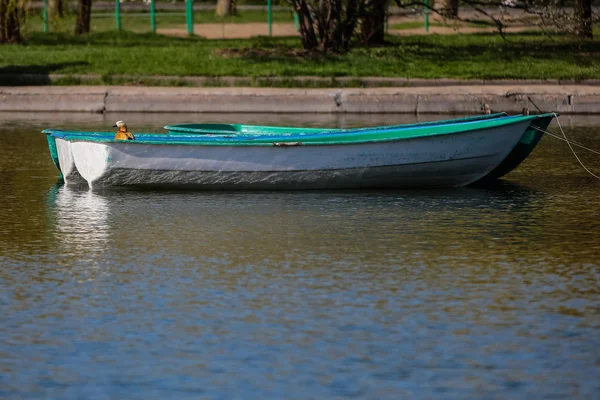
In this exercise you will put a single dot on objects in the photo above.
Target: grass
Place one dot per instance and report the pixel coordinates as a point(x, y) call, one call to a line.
point(476, 56)
point(140, 22)
point(449, 24)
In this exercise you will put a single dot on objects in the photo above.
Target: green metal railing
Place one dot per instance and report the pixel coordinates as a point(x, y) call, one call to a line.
point(118, 15)
point(152, 17)
point(270, 17)
point(45, 15)
point(426, 15)
point(189, 16)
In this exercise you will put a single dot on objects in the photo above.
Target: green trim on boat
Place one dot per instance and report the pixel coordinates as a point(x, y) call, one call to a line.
point(54, 152)
point(318, 138)
point(264, 129)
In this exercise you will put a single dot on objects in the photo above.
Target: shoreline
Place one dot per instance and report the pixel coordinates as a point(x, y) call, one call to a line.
point(453, 98)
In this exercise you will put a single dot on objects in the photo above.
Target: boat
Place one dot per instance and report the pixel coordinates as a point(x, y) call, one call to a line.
point(63, 160)
point(449, 154)
point(520, 152)
point(523, 148)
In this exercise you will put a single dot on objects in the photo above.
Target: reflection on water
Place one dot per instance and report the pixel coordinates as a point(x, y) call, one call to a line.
point(470, 293)
point(80, 220)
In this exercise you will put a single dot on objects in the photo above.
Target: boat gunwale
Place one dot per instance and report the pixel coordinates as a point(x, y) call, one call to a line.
point(415, 132)
point(182, 127)
point(189, 132)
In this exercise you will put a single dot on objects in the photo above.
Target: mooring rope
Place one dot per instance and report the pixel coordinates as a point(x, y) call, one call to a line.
point(563, 139)
point(571, 147)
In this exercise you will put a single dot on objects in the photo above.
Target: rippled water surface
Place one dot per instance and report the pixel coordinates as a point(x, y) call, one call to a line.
point(463, 293)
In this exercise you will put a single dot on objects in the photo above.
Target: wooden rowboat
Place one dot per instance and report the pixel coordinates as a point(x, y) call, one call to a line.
point(61, 154)
point(448, 154)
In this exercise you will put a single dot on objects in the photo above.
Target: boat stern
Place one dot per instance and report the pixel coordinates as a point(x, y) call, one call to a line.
point(54, 152)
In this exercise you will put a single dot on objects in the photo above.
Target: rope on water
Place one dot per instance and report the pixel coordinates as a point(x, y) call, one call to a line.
point(563, 139)
point(571, 147)
point(573, 150)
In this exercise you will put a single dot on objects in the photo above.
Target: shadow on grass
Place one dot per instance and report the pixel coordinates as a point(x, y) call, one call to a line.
point(489, 46)
point(26, 75)
point(121, 39)
point(434, 48)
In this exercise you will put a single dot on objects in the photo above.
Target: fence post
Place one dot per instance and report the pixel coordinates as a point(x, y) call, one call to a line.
point(152, 16)
point(426, 15)
point(118, 15)
point(45, 16)
point(189, 16)
point(270, 17)
point(387, 18)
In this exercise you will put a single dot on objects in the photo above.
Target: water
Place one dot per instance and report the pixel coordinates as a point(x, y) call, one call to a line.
point(465, 293)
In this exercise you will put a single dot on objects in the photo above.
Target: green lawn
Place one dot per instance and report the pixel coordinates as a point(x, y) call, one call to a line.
point(449, 24)
point(487, 56)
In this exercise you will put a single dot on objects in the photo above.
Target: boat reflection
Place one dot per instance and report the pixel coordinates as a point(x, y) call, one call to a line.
point(285, 226)
point(81, 220)
point(427, 232)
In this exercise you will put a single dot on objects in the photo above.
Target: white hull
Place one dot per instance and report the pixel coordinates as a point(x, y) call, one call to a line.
point(67, 165)
point(445, 160)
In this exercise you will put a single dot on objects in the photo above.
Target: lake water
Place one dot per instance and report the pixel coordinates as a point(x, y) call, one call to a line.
point(465, 293)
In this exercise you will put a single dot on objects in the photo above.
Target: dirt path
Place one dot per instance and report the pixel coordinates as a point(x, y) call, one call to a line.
point(447, 30)
point(242, 31)
point(232, 31)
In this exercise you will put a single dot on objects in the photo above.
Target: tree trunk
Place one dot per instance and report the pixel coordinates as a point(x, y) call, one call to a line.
point(308, 36)
point(55, 8)
point(82, 25)
point(373, 23)
point(450, 8)
point(328, 25)
point(583, 19)
point(11, 16)
point(226, 8)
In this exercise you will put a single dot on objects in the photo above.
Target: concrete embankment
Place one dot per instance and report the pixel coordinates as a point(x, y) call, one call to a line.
point(463, 99)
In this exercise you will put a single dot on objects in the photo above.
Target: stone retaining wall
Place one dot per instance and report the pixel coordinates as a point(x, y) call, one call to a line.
point(463, 99)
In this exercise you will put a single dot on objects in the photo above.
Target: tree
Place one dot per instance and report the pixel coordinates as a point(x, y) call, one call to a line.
point(583, 19)
point(12, 15)
point(450, 8)
point(331, 25)
point(327, 25)
point(372, 22)
point(82, 25)
point(226, 8)
point(563, 16)
point(55, 8)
